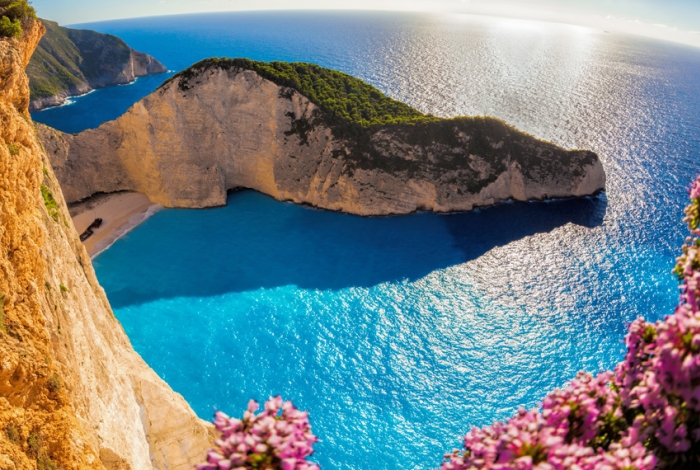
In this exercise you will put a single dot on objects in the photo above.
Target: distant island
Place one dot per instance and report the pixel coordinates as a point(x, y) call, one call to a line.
point(303, 133)
point(71, 62)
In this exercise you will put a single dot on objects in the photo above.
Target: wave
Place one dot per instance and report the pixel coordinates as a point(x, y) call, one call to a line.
point(134, 221)
point(67, 102)
point(130, 83)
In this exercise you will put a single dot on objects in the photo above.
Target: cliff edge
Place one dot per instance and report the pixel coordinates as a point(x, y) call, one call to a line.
point(70, 62)
point(73, 393)
point(302, 133)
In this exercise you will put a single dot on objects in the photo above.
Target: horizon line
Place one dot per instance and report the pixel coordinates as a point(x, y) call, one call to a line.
point(677, 41)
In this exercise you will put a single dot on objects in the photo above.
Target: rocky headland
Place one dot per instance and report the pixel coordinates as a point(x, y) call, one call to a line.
point(301, 133)
point(70, 62)
point(73, 392)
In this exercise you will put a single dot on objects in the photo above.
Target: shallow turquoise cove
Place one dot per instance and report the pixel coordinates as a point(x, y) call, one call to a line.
point(397, 333)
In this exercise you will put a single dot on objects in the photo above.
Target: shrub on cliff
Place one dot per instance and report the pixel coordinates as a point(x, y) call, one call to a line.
point(643, 416)
point(9, 28)
point(12, 14)
point(49, 202)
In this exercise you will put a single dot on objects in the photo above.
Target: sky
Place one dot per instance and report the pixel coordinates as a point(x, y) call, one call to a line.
point(674, 20)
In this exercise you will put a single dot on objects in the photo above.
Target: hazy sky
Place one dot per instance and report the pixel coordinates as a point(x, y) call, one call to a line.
point(677, 20)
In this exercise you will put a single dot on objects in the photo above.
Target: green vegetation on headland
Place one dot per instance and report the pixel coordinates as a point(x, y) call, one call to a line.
point(341, 96)
point(13, 13)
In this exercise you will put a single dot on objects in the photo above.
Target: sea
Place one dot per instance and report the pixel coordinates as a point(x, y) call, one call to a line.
point(399, 334)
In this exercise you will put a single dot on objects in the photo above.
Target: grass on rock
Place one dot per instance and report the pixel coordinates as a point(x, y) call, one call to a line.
point(50, 202)
point(342, 96)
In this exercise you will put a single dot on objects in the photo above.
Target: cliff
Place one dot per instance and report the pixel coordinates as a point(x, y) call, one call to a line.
point(226, 124)
point(71, 62)
point(73, 393)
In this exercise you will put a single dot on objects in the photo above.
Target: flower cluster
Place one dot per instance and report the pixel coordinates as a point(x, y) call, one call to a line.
point(659, 380)
point(584, 410)
point(578, 427)
point(269, 440)
point(644, 416)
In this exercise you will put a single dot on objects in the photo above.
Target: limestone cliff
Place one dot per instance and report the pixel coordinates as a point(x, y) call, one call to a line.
point(220, 126)
point(71, 62)
point(73, 393)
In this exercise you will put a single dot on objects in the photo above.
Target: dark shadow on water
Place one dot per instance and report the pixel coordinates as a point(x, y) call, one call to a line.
point(478, 232)
point(256, 242)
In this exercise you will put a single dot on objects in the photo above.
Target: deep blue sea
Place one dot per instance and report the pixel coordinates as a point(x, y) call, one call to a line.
point(398, 334)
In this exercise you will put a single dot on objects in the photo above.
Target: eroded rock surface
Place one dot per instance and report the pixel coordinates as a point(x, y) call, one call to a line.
point(220, 128)
point(73, 392)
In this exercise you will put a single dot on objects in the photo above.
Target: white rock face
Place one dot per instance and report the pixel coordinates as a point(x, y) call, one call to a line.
point(189, 142)
point(133, 417)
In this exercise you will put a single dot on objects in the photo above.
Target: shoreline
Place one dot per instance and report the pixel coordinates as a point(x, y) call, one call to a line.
point(70, 99)
point(123, 211)
point(67, 101)
point(120, 213)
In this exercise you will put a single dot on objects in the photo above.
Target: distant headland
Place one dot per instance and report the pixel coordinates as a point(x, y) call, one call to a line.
point(71, 62)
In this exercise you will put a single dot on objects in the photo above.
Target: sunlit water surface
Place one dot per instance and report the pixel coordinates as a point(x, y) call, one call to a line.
point(399, 333)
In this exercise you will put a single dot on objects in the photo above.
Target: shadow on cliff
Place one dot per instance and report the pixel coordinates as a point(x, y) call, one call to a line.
point(255, 242)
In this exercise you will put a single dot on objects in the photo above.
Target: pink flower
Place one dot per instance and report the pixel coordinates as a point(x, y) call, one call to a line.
point(268, 440)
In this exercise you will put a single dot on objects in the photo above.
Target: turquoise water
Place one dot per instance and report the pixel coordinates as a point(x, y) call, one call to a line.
point(399, 333)
point(396, 333)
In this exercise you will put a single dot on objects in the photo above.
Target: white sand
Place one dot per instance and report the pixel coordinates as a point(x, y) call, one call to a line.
point(120, 213)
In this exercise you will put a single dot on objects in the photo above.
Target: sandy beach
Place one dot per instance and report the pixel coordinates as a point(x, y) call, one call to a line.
point(120, 212)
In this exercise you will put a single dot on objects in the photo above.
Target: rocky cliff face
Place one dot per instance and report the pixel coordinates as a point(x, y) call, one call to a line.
point(213, 129)
point(70, 62)
point(73, 393)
